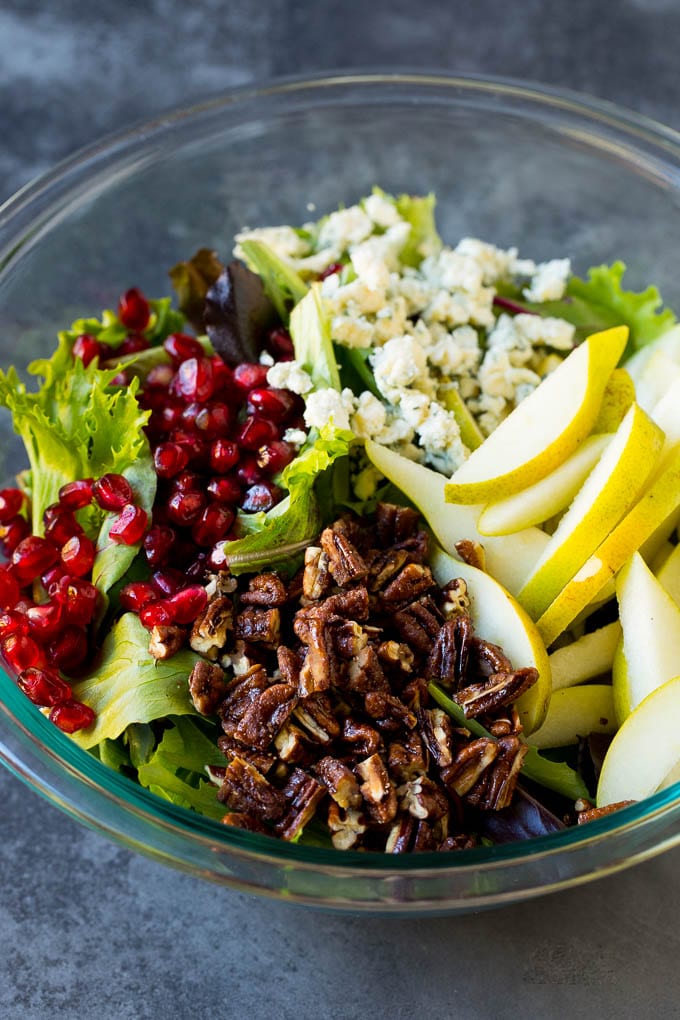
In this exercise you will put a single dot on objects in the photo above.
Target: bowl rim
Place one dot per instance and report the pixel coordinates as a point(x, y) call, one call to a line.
point(639, 130)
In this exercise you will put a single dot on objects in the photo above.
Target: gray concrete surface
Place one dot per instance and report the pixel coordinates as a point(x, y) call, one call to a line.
point(89, 930)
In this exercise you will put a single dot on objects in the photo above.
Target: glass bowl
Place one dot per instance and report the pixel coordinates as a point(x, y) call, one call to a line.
point(553, 173)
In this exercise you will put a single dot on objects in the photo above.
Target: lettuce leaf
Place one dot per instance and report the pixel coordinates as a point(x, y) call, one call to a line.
point(424, 239)
point(110, 330)
point(129, 686)
point(175, 770)
point(310, 331)
point(192, 280)
point(282, 284)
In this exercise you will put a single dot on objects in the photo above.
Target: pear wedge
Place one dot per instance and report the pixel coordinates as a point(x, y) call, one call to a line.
point(646, 749)
point(669, 575)
point(608, 492)
point(588, 657)
point(619, 394)
point(575, 712)
point(669, 342)
point(498, 618)
point(470, 432)
point(545, 428)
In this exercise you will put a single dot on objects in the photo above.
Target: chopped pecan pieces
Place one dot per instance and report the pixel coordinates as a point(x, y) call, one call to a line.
point(260, 626)
point(362, 739)
point(265, 715)
point(241, 820)
point(289, 665)
point(448, 660)
point(246, 790)
point(389, 711)
point(496, 787)
point(316, 579)
point(456, 599)
point(302, 794)
point(293, 746)
point(340, 782)
point(472, 553)
point(590, 813)
point(166, 641)
point(395, 524)
point(407, 758)
point(346, 827)
point(396, 653)
point(207, 686)
point(385, 566)
point(409, 584)
point(365, 673)
point(499, 690)
point(400, 835)
point(419, 624)
point(345, 562)
point(315, 714)
point(349, 638)
point(469, 764)
point(422, 798)
point(435, 727)
point(265, 590)
point(211, 629)
point(377, 789)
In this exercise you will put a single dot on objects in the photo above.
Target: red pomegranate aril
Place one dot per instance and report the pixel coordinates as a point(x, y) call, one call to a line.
point(186, 604)
point(255, 432)
point(13, 622)
point(51, 576)
point(78, 597)
point(9, 589)
point(20, 652)
point(167, 582)
point(212, 525)
point(32, 557)
point(112, 492)
point(12, 533)
point(247, 376)
point(187, 481)
point(43, 687)
point(335, 267)
point(197, 449)
point(71, 716)
point(45, 621)
point(68, 650)
point(213, 420)
point(170, 415)
point(221, 374)
point(133, 344)
point(274, 404)
point(76, 495)
point(194, 380)
point(160, 376)
point(280, 344)
point(60, 524)
point(185, 507)
point(156, 614)
point(275, 456)
point(262, 496)
point(169, 459)
point(130, 526)
point(248, 471)
point(225, 490)
point(78, 555)
point(11, 502)
point(181, 347)
point(196, 570)
point(86, 348)
point(134, 310)
point(224, 455)
point(158, 543)
point(136, 595)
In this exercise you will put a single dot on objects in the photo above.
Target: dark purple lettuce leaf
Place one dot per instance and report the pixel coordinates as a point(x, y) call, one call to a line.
point(524, 819)
point(238, 314)
point(192, 280)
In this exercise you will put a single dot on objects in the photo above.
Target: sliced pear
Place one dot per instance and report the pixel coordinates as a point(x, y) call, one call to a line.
point(645, 751)
point(619, 394)
point(669, 575)
point(608, 492)
point(545, 428)
point(508, 558)
point(498, 618)
point(666, 414)
point(669, 342)
point(575, 712)
point(589, 657)
point(660, 558)
point(546, 498)
point(656, 378)
point(650, 653)
point(470, 432)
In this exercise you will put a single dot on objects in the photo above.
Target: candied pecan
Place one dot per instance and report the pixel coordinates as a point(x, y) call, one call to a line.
point(397, 654)
point(303, 795)
point(462, 841)
point(385, 565)
point(448, 660)
point(289, 664)
point(265, 715)
point(216, 773)
point(346, 827)
point(361, 737)
point(315, 714)
point(352, 604)
point(472, 553)
point(345, 562)
point(422, 798)
point(246, 790)
point(320, 666)
point(377, 789)
point(348, 638)
point(207, 686)
point(293, 746)
point(489, 658)
point(232, 748)
point(410, 583)
point(241, 820)
point(419, 624)
point(340, 782)
point(240, 692)
point(456, 600)
point(496, 787)
point(415, 694)
point(426, 838)
point(261, 626)
point(316, 579)
point(389, 711)
point(365, 673)
point(395, 523)
point(211, 628)
point(590, 814)
point(265, 590)
point(470, 762)
point(436, 731)
point(166, 641)
point(400, 835)
point(498, 690)
point(407, 758)
point(505, 723)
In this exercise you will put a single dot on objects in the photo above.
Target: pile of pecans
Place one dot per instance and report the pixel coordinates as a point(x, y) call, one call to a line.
point(328, 714)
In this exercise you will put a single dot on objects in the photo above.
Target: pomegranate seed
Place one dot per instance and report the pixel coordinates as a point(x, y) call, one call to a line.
point(225, 490)
point(262, 496)
point(222, 375)
point(169, 459)
point(213, 419)
point(159, 376)
point(187, 481)
point(194, 380)
point(272, 404)
point(87, 348)
point(78, 597)
point(255, 432)
point(78, 555)
point(217, 557)
point(181, 347)
point(20, 652)
point(51, 576)
point(212, 525)
point(224, 455)
point(279, 344)
point(196, 570)
point(166, 582)
point(71, 716)
point(133, 310)
point(76, 495)
point(9, 589)
point(60, 524)
point(12, 533)
point(45, 621)
point(12, 622)
point(69, 649)
point(11, 502)
point(32, 557)
point(136, 595)
point(184, 508)
point(132, 344)
point(248, 376)
point(130, 525)
point(335, 267)
point(155, 614)
point(43, 686)
point(112, 492)
point(186, 604)
point(157, 544)
point(275, 456)
point(249, 471)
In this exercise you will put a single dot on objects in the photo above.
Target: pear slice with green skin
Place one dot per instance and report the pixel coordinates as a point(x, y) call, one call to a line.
point(545, 428)
point(646, 749)
point(659, 503)
point(575, 712)
point(655, 379)
point(619, 394)
point(650, 652)
point(546, 498)
point(588, 657)
point(498, 618)
point(669, 575)
point(669, 342)
point(470, 432)
point(508, 558)
point(608, 492)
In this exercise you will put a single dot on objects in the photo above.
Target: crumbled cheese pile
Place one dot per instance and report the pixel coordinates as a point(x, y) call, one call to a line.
point(428, 329)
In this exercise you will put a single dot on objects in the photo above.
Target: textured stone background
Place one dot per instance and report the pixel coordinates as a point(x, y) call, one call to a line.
point(89, 930)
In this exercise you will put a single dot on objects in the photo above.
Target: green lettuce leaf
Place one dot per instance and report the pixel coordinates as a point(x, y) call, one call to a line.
point(192, 280)
point(129, 686)
point(282, 284)
point(310, 331)
point(424, 239)
point(554, 775)
point(110, 330)
point(355, 371)
point(175, 770)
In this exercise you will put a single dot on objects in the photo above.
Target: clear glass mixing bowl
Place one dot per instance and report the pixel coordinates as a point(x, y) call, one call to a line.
point(550, 172)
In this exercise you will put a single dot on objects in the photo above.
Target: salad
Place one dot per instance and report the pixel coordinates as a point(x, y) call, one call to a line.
point(363, 541)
